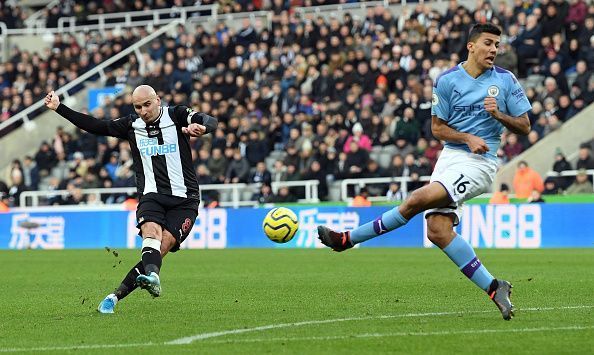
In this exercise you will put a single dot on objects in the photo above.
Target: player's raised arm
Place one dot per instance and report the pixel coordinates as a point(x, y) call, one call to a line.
point(80, 120)
point(442, 131)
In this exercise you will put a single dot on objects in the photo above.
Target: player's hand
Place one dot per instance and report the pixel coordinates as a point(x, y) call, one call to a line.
point(194, 130)
point(52, 101)
point(491, 106)
point(476, 144)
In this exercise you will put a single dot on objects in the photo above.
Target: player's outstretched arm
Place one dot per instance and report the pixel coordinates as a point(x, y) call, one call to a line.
point(518, 125)
point(443, 132)
point(80, 120)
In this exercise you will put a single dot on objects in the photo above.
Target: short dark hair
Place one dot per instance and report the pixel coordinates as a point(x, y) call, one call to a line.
point(479, 28)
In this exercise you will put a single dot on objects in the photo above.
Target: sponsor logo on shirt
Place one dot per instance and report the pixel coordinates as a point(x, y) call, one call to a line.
point(151, 147)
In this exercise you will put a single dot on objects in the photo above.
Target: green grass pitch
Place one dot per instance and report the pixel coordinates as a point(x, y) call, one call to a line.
point(364, 301)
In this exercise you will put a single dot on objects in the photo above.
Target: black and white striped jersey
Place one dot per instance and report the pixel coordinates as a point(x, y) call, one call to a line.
point(161, 153)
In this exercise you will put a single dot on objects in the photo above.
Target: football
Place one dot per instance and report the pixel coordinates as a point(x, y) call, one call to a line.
point(280, 224)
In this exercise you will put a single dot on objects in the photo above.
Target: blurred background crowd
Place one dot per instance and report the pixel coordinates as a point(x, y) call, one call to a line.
point(308, 98)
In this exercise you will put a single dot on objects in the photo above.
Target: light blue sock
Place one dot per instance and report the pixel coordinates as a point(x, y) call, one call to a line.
point(463, 255)
point(386, 222)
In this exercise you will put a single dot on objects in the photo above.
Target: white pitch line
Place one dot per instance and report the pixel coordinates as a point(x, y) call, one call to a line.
point(190, 339)
point(401, 334)
point(203, 336)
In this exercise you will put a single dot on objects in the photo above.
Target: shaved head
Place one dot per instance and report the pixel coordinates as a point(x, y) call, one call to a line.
point(143, 91)
point(146, 103)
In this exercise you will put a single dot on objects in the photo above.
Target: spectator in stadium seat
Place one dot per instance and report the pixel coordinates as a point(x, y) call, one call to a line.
point(556, 72)
point(395, 193)
point(552, 21)
point(581, 185)
point(506, 57)
point(587, 31)
point(512, 146)
point(356, 160)
point(361, 200)
point(261, 174)
point(217, 165)
point(238, 169)
point(551, 90)
point(583, 75)
point(4, 202)
point(362, 141)
point(204, 175)
point(112, 165)
point(535, 197)
point(527, 43)
point(30, 173)
point(550, 187)
point(501, 196)
point(526, 180)
point(279, 172)
point(577, 12)
point(585, 160)
point(284, 196)
point(45, 159)
point(564, 110)
point(316, 172)
point(292, 157)
point(17, 187)
point(561, 164)
point(396, 168)
point(201, 157)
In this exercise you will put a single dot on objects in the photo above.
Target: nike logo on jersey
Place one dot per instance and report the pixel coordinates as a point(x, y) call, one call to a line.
point(147, 251)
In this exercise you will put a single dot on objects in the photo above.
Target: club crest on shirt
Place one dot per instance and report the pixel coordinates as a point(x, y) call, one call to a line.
point(493, 91)
point(434, 99)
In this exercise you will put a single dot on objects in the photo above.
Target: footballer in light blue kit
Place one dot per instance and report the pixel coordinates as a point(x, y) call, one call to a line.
point(472, 103)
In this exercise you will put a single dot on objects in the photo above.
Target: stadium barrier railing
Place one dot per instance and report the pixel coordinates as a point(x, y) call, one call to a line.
point(33, 19)
point(234, 191)
point(402, 181)
point(567, 173)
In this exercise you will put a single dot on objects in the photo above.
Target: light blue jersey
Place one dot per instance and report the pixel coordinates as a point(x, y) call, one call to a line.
point(458, 99)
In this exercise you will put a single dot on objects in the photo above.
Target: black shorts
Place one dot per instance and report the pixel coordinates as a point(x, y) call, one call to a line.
point(175, 214)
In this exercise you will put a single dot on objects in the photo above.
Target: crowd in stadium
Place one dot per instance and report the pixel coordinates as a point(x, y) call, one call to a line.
point(344, 97)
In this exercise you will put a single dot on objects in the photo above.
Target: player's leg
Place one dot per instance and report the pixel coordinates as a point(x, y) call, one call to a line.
point(152, 235)
point(129, 284)
point(429, 196)
point(440, 231)
point(150, 215)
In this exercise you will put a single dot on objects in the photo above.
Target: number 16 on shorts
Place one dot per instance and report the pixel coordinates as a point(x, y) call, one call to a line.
point(460, 185)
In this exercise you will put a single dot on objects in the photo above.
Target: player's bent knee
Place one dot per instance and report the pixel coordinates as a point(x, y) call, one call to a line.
point(416, 201)
point(151, 230)
point(436, 235)
point(167, 243)
point(440, 230)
